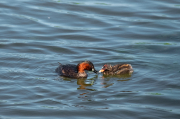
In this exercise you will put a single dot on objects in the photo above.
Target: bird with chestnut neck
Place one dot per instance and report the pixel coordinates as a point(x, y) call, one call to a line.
point(75, 71)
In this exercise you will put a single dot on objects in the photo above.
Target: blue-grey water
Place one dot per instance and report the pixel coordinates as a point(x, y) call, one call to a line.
point(37, 34)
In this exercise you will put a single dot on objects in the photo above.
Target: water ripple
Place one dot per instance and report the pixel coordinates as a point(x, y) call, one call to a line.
point(36, 35)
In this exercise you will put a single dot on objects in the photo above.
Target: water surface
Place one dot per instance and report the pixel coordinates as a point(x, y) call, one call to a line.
point(36, 35)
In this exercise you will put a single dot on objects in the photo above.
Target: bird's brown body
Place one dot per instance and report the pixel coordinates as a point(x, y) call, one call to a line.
point(118, 69)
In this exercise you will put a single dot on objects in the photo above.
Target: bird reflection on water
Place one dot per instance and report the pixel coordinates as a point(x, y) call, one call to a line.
point(105, 80)
point(83, 83)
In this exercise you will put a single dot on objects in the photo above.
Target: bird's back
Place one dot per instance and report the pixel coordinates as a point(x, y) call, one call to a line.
point(122, 69)
point(68, 70)
point(119, 69)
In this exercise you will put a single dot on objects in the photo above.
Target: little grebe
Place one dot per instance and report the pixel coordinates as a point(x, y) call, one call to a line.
point(118, 69)
point(75, 71)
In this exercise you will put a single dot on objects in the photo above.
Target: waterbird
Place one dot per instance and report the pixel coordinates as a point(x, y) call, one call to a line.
point(75, 71)
point(117, 69)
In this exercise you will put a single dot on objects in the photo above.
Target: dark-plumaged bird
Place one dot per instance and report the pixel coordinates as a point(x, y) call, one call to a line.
point(75, 71)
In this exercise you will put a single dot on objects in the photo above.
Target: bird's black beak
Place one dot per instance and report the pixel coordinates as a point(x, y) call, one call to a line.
point(94, 71)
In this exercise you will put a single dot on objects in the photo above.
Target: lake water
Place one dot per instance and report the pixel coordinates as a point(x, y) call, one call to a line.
point(37, 34)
